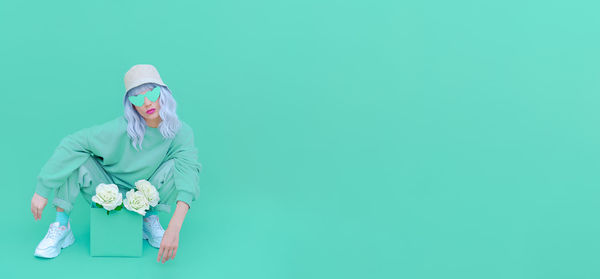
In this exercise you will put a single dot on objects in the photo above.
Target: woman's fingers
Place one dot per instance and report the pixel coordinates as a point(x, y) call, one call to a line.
point(160, 252)
point(166, 252)
point(37, 205)
point(166, 255)
point(33, 210)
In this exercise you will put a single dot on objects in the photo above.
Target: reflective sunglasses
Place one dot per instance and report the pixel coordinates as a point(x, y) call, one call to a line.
point(139, 99)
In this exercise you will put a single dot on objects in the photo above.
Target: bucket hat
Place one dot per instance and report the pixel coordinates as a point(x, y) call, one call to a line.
point(140, 74)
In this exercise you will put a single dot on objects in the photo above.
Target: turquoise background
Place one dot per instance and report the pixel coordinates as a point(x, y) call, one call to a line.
point(339, 139)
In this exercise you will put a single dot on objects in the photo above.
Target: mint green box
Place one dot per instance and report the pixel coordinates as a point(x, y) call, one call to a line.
point(118, 234)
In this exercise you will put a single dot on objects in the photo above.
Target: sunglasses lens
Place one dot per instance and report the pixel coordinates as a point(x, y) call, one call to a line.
point(139, 99)
point(136, 100)
point(153, 95)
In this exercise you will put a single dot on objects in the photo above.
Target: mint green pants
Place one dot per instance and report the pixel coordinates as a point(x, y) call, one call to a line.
point(91, 173)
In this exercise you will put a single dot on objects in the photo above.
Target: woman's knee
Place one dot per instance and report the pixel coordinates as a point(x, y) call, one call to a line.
point(163, 174)
point(91, 173)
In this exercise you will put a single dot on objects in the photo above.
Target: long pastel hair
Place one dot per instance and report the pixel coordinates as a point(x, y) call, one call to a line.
point(136, 124)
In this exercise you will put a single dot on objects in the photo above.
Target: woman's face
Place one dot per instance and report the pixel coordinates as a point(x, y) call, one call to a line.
point(149, 110)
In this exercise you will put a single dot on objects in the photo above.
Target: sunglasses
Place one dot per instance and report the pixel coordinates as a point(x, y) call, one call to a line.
point(139, 99)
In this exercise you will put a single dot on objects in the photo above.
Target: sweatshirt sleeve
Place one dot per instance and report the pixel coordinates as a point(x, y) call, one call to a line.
point(71, 153)
point(187, 167)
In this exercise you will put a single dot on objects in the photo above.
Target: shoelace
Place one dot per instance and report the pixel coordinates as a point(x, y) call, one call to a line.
point(53, 232)
point(153, 223)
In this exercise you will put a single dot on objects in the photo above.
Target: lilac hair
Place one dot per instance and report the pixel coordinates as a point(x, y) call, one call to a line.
point(136, 124)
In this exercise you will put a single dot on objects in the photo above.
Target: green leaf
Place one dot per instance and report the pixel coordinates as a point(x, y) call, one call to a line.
point(107, 212)
point(98, 205)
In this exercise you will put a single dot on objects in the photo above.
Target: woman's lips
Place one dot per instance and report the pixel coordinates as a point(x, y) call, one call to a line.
point(150, 111)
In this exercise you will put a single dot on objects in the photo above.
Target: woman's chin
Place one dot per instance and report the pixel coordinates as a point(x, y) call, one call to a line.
point(152, 116)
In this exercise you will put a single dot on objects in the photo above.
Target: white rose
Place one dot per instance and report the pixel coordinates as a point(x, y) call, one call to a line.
point(136, 201)
point(108, 196)
point(149, 191)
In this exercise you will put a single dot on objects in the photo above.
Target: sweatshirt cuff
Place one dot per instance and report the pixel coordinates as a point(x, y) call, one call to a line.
point(185, 197)
point(42, 190)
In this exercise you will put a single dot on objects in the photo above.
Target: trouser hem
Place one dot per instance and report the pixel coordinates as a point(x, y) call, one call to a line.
point(162, 207)
point(63, 204)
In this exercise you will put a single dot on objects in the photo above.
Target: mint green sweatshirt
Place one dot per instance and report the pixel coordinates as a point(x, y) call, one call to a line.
point(111, 143)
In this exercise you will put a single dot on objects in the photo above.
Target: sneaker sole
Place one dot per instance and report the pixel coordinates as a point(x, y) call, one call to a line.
point(145, 236)
point(66, 242)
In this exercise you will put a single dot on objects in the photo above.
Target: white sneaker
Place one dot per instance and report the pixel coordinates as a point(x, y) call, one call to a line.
point(56, 238)
point(153, 231)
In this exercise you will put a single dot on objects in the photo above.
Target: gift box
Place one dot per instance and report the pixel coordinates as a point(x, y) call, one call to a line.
point(117, 234)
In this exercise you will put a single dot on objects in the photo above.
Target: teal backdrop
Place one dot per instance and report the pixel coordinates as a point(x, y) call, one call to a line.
point(339, 139)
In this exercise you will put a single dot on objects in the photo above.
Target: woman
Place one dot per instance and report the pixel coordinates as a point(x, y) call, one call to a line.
point(147, 142)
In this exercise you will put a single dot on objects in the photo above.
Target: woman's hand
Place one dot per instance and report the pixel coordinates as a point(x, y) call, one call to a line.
point(37, 205)
point(170, 240)
point(169, 244)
